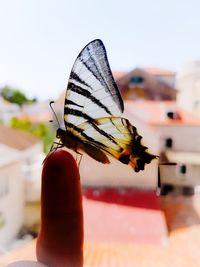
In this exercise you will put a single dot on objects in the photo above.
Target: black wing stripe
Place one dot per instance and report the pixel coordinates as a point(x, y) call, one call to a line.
point(86, 93)
point(69, 102)
point(77, 78)
point(78, 113)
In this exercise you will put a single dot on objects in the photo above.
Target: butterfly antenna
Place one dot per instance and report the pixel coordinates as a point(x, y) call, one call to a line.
point(50, 104)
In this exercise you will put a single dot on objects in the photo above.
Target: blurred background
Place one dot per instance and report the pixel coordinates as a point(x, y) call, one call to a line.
point(150, 218)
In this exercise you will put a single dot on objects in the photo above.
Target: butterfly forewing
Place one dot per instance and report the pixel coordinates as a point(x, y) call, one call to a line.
point(91, 87)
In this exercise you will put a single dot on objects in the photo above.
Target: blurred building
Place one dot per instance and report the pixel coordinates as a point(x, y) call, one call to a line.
point(147, 83)
point(38, 112)
point(30, 146)
point(12, 195)
point(188, 84)
point(172, 133)
point(30, 152)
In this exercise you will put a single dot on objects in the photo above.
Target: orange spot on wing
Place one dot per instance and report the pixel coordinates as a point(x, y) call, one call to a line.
point(124, 157)
point(124, 153)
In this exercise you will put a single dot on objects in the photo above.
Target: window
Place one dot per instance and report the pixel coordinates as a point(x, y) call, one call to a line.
point(135, 80)
point(173, 115)
point(170, 114)
point(168, 142)
point(182, 169)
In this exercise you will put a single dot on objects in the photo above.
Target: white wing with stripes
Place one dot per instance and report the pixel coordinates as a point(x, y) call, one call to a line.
point(92, 92)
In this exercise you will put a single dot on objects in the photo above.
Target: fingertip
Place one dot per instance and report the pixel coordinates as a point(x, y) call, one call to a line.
point(60, 240)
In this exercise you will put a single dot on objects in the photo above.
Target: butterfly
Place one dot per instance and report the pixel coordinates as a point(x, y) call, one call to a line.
point(93, 113)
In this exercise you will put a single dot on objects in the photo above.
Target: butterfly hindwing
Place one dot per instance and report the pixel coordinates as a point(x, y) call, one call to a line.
point(116, 137)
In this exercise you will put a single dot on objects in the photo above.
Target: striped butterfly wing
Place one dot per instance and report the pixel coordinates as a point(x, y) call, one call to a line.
point(92, 92)
point(115, 136)
point(93, 109)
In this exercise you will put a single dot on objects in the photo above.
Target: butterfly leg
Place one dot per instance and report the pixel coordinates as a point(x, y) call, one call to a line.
point(79, 163)
point(81, 155)
point(58, 145)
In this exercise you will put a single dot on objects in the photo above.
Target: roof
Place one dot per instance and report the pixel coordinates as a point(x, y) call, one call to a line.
point(17, 139)
point(153, 87)
point(150, 70)
point(160, 72)
point(155, 113)
point(8, 155)
point(125, 212)
point(182, 248)
point(118, 74)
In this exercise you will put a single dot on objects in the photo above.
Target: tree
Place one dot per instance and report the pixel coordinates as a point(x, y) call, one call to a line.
point(15, 96)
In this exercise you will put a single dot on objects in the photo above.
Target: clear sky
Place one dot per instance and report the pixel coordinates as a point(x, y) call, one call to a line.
point(40, 39)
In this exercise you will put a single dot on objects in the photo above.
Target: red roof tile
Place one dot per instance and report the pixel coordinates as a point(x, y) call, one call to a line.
point(155, 113)
point(160, 72)
point(118, 74)
point(123, 224)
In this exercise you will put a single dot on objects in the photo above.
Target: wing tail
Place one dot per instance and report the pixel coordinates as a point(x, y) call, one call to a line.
point(136, 155)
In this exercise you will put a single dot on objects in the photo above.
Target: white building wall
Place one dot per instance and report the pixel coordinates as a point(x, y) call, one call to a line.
point(11, 201)
point(188, 84)
point(170, 174)
point(31, 153)
point(185, 138)
point(32, 168)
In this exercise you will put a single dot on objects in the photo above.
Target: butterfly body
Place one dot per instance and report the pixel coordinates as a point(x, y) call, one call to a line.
point(93, 113)
point(67, 139)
